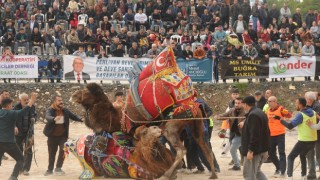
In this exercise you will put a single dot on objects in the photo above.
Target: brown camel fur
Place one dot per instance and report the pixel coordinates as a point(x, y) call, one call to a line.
point(153, 155)
point(103, 116)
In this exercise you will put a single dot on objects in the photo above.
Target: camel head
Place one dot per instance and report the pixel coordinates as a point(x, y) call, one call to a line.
point(90, 96)
point(100, 111)
point(146, 134)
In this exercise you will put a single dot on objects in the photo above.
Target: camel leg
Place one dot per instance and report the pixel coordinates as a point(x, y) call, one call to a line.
point(173, 136)
point(198, 134)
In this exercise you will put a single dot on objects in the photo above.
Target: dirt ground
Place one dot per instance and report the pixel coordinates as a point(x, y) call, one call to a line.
point(73, 169)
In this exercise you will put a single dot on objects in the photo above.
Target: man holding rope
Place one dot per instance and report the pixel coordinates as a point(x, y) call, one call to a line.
point(307, 137)
point(8, 118)
point(235, 130)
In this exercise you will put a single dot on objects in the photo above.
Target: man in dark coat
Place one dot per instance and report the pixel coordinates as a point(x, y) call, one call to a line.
point(24, 131)
point(57, 131)
point(255, 140)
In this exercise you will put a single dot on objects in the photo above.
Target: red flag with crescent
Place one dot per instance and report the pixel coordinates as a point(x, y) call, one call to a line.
point(164, 63)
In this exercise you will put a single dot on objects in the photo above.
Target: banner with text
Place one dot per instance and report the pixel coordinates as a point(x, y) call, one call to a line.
point(293, 66)
point(197, 70)
point(243, 68)
point(113, 68)
point(18, 66)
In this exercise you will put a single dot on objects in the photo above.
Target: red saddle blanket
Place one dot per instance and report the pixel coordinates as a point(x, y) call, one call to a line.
point(163, 84)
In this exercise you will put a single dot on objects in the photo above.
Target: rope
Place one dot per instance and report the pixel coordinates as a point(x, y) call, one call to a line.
point(168, 120)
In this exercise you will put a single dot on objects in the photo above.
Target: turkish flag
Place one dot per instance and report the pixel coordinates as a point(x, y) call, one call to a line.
point(165, 60)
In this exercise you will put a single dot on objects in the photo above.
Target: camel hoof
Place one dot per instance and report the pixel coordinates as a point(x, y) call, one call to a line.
point(213, 177)
point(163, 178)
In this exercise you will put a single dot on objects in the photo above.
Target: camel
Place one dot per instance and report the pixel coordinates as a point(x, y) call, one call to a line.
point(101, 115)
point(152, 154)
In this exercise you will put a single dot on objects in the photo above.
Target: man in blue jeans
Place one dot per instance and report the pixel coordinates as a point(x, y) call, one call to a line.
point(8, 118)
point(235, 130)
point(307, 137)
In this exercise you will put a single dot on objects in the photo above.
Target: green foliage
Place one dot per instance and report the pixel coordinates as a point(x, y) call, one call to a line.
point(243, 87)
point(293, 5)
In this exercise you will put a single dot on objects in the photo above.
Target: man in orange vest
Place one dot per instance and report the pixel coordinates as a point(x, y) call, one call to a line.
point(277, 133)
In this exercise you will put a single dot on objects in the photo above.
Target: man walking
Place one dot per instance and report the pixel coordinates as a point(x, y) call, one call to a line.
point(24, 131)
point(255, 140)
point(235, 130)
point(277, 135)
point(8, 118)
point(57, 131)
point(306, 136)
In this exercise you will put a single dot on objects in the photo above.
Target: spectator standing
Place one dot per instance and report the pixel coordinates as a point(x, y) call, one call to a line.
point(57, 131)
point(285, 12)
point(235, 11)
point(239, 27)
point(310, 18)
point(246, 11)
point(296, 17)
point(214, 55)
point(255, 141)
point(274, 13)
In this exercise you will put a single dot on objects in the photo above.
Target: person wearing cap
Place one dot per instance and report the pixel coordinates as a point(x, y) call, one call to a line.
point(255, 140)
point(307, 136)
point(235, 130)
point(277, 135)
point(260, 100)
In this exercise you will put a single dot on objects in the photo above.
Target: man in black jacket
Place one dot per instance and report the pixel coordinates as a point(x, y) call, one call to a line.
point(24, 131)
point(255, 140)
point(54, 69)
point(260, 100)
point(8, 118)
point(57, 131)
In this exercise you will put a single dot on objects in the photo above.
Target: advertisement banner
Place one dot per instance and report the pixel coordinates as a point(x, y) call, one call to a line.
point(243, 68)
point(17, 66)
point(293, 66)
point(113, 68)
point(197, 70)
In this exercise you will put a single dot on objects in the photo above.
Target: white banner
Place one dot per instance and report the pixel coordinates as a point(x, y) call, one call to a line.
point(113, 68)
point(18, 66)
point(293, 66)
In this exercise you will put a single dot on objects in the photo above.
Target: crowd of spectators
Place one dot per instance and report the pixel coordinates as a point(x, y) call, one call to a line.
point(195, 29)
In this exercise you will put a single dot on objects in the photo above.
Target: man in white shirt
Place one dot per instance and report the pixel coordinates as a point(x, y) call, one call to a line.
point(239, 27)
point(141, 19)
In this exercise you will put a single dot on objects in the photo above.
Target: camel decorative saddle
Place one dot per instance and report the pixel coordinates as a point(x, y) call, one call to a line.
point(159, 86)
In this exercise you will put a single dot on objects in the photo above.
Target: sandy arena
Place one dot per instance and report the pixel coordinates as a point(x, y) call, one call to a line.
point(73, 169)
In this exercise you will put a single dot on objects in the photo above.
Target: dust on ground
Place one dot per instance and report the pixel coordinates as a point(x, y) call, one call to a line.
point(73, 168)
